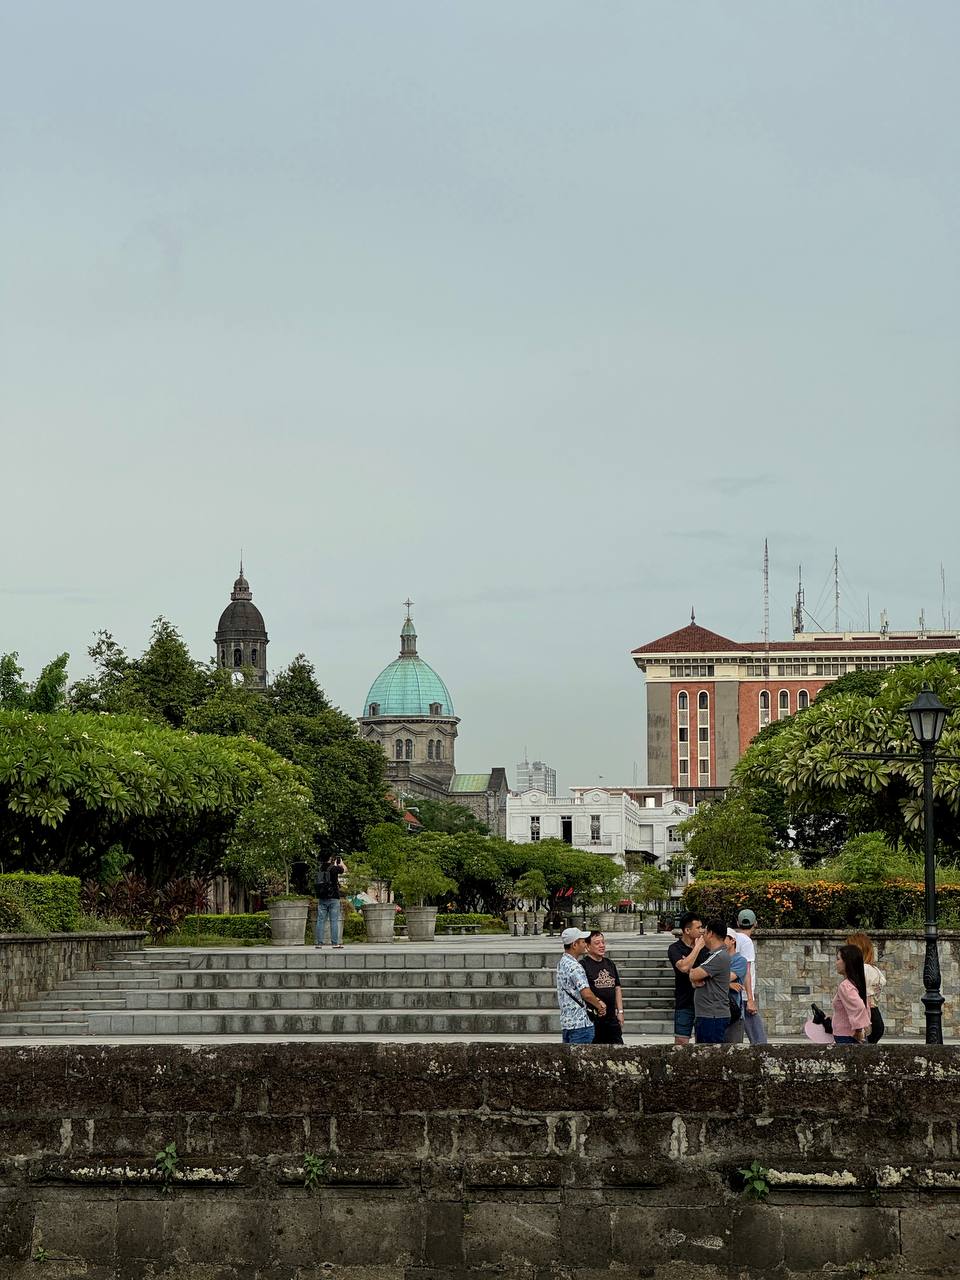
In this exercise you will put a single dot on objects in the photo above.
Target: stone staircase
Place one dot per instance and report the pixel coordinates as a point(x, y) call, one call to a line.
point(494, 986)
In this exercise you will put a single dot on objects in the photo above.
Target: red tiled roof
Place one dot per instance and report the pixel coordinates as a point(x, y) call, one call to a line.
point(690, 639)
point(694, 639)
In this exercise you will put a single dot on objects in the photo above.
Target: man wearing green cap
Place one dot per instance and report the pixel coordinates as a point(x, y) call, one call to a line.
point(746, 947)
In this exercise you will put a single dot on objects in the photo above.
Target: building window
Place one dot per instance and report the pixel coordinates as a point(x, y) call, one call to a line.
point(398, 749)
point(595, 828)
point(435, 708)
point(682, 702)
point(703, 734)
point(253, 657)
point(691, 670)
point(684, 766)
point(430, 749)
point(238, 657)
point(703, 701)
point(223, 657)
point(409, 745)
point(535, 829)
point(704, 770)
point(683, 734)
point(438, 750)
point(566, 829)
point(764, 708)
point(374, 708)
point(803, 700)
point(783, 708)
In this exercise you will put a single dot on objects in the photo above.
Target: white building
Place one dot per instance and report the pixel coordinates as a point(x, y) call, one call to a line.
point(610, 820)
point(536, 777)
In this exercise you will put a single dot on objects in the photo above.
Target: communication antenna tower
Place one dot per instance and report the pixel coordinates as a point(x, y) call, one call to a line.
point(836, 590)
point(798, 610)
point(943, 597)
point(766, 594)
point(923, 624)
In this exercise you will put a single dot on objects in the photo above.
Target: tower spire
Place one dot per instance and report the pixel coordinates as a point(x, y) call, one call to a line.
point(693, 616)
point(408, 634)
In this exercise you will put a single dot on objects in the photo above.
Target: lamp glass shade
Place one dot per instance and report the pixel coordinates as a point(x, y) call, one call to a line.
point(927, 715)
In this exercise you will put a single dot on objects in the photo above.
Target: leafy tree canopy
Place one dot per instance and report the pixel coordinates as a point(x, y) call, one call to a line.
point(727, 835)
point(812, 764)
point(47, 694)
point(73, 787)
point(445, 816)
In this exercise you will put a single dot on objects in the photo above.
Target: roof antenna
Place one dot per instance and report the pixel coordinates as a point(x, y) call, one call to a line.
point(798, 611)
point(836, 591)
point(766, 595)
point(943, 598)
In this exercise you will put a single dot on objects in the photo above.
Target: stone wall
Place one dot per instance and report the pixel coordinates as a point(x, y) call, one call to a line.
point(797, 966)
point(475, 1161)
point(32, 963)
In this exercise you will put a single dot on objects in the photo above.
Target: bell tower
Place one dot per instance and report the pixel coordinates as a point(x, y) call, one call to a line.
point(241, 637)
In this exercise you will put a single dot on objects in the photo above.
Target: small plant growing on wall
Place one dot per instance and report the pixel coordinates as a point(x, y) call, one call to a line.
point(166, 1163)
point(315, 1172)
point(755, 1184)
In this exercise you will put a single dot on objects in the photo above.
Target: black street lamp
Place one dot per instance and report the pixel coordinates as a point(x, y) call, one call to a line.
point(927, 716)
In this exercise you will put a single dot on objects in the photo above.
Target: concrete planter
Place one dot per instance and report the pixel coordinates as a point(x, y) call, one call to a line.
point(379, 918)
point(537, 919)
point(421, 923)
point(515, 922)
point(606, 921)
point(288, 921)
point(650, 921)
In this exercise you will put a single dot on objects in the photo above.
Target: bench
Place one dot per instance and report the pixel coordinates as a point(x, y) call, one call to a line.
point(458, 928)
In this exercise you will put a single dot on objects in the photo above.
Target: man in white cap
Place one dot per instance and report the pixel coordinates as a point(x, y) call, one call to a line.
point(573, 990)
point(752, 1021)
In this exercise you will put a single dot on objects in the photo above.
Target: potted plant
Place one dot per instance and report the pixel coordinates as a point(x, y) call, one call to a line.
point(418, 879)
point(275, 831)
point(605, 897)
point(384, 843)
point(531, 887)
point(653, 884)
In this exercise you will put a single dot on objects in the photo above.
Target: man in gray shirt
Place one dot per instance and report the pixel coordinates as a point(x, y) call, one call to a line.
point(711, 985)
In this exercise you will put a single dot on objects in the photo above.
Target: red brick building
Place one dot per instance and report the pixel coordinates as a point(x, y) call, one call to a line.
point(707, 696)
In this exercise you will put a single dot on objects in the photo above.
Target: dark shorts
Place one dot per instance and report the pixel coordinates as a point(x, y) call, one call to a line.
point(683, 1022)
point(711, 1030)
point(607, 1031)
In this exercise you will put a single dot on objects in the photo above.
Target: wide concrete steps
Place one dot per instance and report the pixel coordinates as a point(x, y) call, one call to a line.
point(492, 989)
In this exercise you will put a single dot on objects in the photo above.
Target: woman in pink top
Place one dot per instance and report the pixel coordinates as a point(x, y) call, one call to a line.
point(851, 1014)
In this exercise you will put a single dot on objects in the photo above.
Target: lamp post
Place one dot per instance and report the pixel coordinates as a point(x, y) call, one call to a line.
point(927, 716)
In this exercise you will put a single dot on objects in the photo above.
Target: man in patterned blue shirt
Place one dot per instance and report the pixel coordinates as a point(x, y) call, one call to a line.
point(573, 990)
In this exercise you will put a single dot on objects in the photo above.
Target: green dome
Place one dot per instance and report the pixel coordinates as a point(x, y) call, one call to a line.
point(408, 687)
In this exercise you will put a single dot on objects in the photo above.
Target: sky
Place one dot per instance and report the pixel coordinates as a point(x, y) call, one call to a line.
point(544, 314)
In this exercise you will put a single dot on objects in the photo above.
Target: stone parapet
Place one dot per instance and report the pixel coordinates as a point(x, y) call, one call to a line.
point(797, 966)
point(522, 1162)
point(33, 963)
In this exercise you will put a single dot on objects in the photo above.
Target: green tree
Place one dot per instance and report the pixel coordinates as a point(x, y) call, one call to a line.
point(815, 763)
point(727, 835)
point(445, 816)
point(47, 694)
point(74, 788)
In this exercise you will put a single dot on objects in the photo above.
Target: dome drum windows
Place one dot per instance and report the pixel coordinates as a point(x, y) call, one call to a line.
point(373, 709)
point(408, 749)
point(436, 709)
point(398, 749)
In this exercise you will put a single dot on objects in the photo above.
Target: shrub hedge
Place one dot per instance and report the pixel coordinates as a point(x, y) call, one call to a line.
point(788, 903)
point(14, 916)
point(253, 925)
point(53, 901)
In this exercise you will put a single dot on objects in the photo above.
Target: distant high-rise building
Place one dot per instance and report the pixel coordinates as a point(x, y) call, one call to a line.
point(536, 777)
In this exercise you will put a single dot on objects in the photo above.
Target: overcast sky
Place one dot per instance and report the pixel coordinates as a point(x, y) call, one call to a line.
point(544, 313)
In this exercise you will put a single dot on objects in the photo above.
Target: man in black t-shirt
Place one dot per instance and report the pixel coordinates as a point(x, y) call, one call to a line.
point(683, 955)
point(605, 984)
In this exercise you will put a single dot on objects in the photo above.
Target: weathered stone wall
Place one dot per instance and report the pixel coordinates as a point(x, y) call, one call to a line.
point(30, 964)
point(520, 1162)
point(797, 966)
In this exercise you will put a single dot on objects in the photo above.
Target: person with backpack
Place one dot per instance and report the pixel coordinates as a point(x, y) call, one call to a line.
point(329, 871)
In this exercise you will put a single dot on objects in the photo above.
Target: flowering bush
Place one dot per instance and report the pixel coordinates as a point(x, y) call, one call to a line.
point(787, 902)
